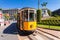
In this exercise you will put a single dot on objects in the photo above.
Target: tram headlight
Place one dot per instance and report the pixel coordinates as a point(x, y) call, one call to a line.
point(31, 26)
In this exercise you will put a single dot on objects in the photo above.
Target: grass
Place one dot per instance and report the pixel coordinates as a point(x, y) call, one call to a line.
point(49, 27)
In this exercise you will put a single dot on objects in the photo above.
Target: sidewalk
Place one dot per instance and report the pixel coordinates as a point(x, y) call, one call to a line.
point(52, 32)
point(7, 32)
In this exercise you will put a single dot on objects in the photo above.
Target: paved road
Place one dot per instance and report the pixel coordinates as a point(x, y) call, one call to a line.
point(9, 32)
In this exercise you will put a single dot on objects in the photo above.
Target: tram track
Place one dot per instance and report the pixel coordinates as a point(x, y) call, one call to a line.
point(44, 36)
point(31, 37)
point(35, 36)
point(38, 35)
point(48, 35)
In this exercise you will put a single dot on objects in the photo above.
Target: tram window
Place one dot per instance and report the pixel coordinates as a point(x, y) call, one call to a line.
point(35, 16)
point(26, 15)
point(18, 16)
point(31, 17)
point(31, 11)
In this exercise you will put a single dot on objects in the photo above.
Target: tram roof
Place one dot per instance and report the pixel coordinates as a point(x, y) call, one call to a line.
point(27, 8)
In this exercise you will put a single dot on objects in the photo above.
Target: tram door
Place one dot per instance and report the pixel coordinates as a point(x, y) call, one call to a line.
point(21, 20)
point(18, 20)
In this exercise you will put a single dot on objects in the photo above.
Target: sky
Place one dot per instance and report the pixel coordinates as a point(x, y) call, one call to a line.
point(52, 4)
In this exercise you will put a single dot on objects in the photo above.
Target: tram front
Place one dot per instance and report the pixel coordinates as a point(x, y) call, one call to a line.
point(28, 19)
point(30, 22)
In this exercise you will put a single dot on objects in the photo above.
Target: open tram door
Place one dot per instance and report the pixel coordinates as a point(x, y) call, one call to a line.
point(27, 19)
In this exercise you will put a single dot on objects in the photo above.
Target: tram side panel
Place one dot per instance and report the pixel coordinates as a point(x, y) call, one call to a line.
point(19, 21)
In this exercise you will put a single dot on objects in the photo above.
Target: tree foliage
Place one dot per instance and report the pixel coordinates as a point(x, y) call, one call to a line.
point(49, 12)
point(0, 8)
point(44, 4)
point(51, 21)
point(6, 16)
point(15, 16)
point(39, 15)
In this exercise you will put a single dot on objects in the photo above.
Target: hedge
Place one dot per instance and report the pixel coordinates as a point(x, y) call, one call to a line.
point(51, 21)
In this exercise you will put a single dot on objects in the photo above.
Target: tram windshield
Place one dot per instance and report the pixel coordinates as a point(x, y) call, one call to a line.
point(31, 17)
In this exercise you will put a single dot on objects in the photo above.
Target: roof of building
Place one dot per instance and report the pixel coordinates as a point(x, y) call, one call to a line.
point(10, 9)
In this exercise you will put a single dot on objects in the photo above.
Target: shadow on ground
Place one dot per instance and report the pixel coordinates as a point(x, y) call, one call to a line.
point(12, 29)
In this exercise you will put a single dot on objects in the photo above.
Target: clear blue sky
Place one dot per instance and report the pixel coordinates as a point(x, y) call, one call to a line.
point(52, 4)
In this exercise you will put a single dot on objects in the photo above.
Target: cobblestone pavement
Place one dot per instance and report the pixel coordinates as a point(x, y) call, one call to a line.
point(9, 32)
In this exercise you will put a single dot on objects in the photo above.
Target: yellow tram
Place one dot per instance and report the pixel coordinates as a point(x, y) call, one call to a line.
point(26, 19)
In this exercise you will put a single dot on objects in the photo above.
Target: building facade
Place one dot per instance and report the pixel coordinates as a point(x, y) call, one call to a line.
point(1, 18)
point(11, 12)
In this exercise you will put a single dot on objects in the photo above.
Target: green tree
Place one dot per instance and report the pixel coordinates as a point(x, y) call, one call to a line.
point(15, 16)
point(49, 12)
point(44, 4)
point(55, 15)
point(6, 16)
point(0, 8)
point(39, 15)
